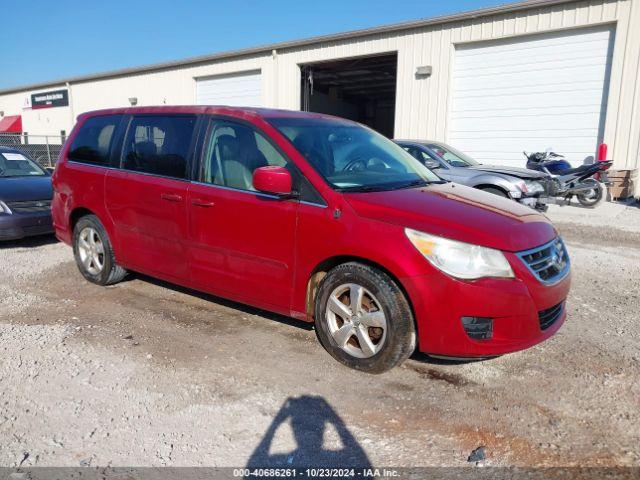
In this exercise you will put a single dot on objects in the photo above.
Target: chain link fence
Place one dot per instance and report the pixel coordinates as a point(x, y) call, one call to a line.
point(44, 149)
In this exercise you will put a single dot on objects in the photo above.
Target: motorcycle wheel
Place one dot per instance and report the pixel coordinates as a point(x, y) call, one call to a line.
point(591, 197)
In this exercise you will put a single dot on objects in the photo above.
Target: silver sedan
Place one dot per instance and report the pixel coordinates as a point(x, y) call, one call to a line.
point(519, 184)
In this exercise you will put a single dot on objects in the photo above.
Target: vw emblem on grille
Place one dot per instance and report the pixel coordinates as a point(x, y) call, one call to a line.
point(558, 254)
point(39, 204)
point(548, 263)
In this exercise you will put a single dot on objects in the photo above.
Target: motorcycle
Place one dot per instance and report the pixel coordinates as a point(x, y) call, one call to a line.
point(566, 181)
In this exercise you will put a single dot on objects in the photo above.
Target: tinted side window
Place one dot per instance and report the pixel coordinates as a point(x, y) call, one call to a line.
point(92, 143)
point(159, 144)
point(421, 155)
point(308, 193)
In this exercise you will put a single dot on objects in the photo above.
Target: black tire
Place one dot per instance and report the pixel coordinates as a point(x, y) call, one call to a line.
point(541, 207)
point(111, 272)
point(399, 340)
point(495, 191)
point(595, 197)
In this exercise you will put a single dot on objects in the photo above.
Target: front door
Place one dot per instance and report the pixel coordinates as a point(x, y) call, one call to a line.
point(147, 196)
point(242, 241)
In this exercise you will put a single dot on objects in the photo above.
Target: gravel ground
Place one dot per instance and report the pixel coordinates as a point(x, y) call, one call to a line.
point(147, 374)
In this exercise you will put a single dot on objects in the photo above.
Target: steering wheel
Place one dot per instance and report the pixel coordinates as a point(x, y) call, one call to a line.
point(357, 164)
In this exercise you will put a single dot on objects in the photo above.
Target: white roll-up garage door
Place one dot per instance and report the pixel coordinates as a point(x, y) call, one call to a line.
point(235, 90)
point(531, 93)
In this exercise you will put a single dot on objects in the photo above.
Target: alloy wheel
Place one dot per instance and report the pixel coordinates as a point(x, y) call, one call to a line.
point(356, 320)
point(91, 250)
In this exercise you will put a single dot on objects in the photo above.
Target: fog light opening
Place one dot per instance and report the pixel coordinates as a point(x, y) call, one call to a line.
point(478, 328)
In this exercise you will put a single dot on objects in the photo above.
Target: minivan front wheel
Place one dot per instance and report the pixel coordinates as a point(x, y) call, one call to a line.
point(363, 319)
point(93, 252)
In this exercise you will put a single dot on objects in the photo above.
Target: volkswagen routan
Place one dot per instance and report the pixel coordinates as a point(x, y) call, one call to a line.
point(313, 217)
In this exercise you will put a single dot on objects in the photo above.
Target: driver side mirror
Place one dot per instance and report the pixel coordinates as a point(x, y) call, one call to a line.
point(272, 179)
point(431, 164)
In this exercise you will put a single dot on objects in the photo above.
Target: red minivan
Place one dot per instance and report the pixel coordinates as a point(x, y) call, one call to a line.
point(314, 217)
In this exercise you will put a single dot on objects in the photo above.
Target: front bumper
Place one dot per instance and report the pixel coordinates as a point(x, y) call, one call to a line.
point(531, 202)
point(515, 305)
point(21, 225)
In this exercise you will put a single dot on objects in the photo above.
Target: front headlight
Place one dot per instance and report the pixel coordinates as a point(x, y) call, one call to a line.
point(459, 259)
point(533, 187)
point(4, 208)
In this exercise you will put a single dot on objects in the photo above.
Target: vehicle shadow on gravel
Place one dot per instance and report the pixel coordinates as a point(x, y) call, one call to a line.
point(419, 362)
point(249, 310)
point(322, 438)
point(29, 242)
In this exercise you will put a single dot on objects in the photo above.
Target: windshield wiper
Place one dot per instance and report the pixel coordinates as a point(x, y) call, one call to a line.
point(362, 188)
point(389, 186)
point(415, 183)
point(421, 183)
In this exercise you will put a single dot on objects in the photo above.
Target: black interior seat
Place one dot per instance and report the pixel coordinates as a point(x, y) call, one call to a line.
point(307, 145)
point(142, 156)
point(146, 148)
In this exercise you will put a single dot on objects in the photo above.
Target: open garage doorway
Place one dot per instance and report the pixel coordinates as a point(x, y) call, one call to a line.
point(361, 89)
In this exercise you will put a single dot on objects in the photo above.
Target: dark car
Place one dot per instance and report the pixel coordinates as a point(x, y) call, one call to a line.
point(520, 184)
point(25, 196)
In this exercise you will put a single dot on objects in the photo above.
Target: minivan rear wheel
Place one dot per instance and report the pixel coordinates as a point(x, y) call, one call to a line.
point(93, 252)
point(363, 319)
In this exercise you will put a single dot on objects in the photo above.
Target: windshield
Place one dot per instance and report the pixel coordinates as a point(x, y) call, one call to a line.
point(452, 156)
point(17, 165)
point(351, 157)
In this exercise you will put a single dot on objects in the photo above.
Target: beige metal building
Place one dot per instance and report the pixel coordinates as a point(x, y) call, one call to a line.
point(492, 82)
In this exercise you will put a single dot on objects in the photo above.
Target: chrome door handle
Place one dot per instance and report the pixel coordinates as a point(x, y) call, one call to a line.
point(171, 197)
point(202, 203)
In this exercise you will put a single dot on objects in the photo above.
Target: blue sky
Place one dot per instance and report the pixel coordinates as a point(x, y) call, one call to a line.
point(43, 40)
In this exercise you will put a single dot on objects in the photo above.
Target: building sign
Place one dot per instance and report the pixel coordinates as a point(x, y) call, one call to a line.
point(54, 98)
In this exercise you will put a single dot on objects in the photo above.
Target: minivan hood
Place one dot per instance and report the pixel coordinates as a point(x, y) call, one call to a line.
point(20, 189)
point(458, 212)
point(519, 172)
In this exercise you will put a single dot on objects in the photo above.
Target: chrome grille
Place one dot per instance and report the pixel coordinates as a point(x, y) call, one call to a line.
point(549, 316)
point(549, 263)
point(30, 206)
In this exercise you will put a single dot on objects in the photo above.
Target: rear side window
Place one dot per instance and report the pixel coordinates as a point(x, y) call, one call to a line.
point(93, 141)
point(159, 145)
